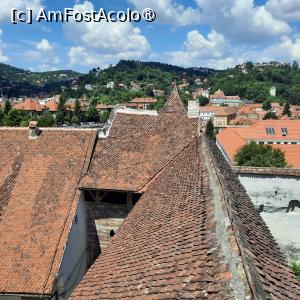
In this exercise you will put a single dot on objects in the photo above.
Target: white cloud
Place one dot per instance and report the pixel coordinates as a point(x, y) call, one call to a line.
point(198, 48)
point(101, 43)
point(284, 9)
point(43, 55)
point(241, 20)
point(286, 50)
point(169, 11)
point(3, 58)
point(7, 5)
point(44, 45)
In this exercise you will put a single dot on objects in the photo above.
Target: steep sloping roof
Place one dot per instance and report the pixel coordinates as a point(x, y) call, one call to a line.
point(167, 248)
point(174, 103)
point(268, 273)
point(38, 199)
point(137, 148)
point(170, 245)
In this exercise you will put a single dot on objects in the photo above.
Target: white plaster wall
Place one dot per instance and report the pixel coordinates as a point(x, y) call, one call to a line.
point(74, 262)
point(262, 188)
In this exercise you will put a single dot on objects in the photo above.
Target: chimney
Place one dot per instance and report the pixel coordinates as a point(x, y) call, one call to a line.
point(33, 130)
point(193, 109)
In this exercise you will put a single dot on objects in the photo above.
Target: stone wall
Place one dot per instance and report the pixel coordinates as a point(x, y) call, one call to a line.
point(101, 219)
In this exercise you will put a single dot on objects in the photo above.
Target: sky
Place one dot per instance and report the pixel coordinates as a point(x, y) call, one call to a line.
point(190, 33)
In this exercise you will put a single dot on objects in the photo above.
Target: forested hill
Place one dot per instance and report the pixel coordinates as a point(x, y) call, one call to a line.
point(15, 82)
point(156, 74)
point(253, 81)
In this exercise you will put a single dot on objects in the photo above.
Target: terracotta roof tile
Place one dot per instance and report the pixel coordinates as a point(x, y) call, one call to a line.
point(268, 273)
point(166, 249)
point(29, 105)
point(38, 199)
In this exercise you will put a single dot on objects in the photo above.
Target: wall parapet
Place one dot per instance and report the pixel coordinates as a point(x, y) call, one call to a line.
point(266, 171)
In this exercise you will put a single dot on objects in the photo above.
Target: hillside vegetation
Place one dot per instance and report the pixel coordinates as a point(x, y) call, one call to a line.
point(254, 83)
point(15, 82)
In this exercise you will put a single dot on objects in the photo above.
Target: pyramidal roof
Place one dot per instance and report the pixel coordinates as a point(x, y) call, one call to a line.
point(174, 103)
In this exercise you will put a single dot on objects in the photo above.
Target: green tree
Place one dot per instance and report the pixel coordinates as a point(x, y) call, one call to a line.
point(254, 155)
point(7, 107)
point(46, 120)
point(210, 129)
point(296, 269)
point(16, 117)
point(295, 65)
point(77, 112)
point(92, 114)
point(287, 110)
point(203, 100)
point(75, 120)
point(104, 116)
point(2, 116)
point(61, 111)
point(267, 105)
point(270, 115)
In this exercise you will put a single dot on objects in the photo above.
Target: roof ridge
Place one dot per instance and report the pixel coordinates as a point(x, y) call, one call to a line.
point(174, 103)
point(142, 189)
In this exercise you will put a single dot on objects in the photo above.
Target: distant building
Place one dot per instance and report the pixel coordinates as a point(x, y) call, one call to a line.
point(158, 93)
point(110, 85)
point(89, 87)
point(282, 134)
point(135, 86)
point(31, 106)
point(273, 91)
point(198, 81)
point(219, 98)
point(200, 93)
point(143, 103)
point(220, 115)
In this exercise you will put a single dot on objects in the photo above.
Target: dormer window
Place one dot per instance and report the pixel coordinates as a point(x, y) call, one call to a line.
point(270, 130)
point(284, 131)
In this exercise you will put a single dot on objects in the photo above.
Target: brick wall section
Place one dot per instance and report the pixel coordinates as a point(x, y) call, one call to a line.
point(267, 171)
point(167, 247)
point(100, 211)
point(268, 273)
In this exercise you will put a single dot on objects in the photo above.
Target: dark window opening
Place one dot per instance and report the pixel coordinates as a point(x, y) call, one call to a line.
point(270, 130)
point(112, 233)
point(284, 131)
point(292, 205)
point(261, 208)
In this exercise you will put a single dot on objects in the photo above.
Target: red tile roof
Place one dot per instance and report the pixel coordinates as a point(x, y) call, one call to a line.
point(144, 100)
point(232, 139)
point(51, 105)
point(167, 248)
point(38, 199)
point(137, 147)
point(29, 105)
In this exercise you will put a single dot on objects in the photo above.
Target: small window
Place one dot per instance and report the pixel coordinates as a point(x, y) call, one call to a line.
point(261, 143)
point(112, 233)
point(270, 143)
point(286, 143)
point(278, 143)
point(284, 131)
point(294, 143)
point(270, 130)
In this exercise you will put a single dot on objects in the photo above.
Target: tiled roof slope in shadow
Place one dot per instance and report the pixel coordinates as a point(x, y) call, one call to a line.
point(137, 148)
point(167, 247)
point(38, 199)
point(269, 275)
